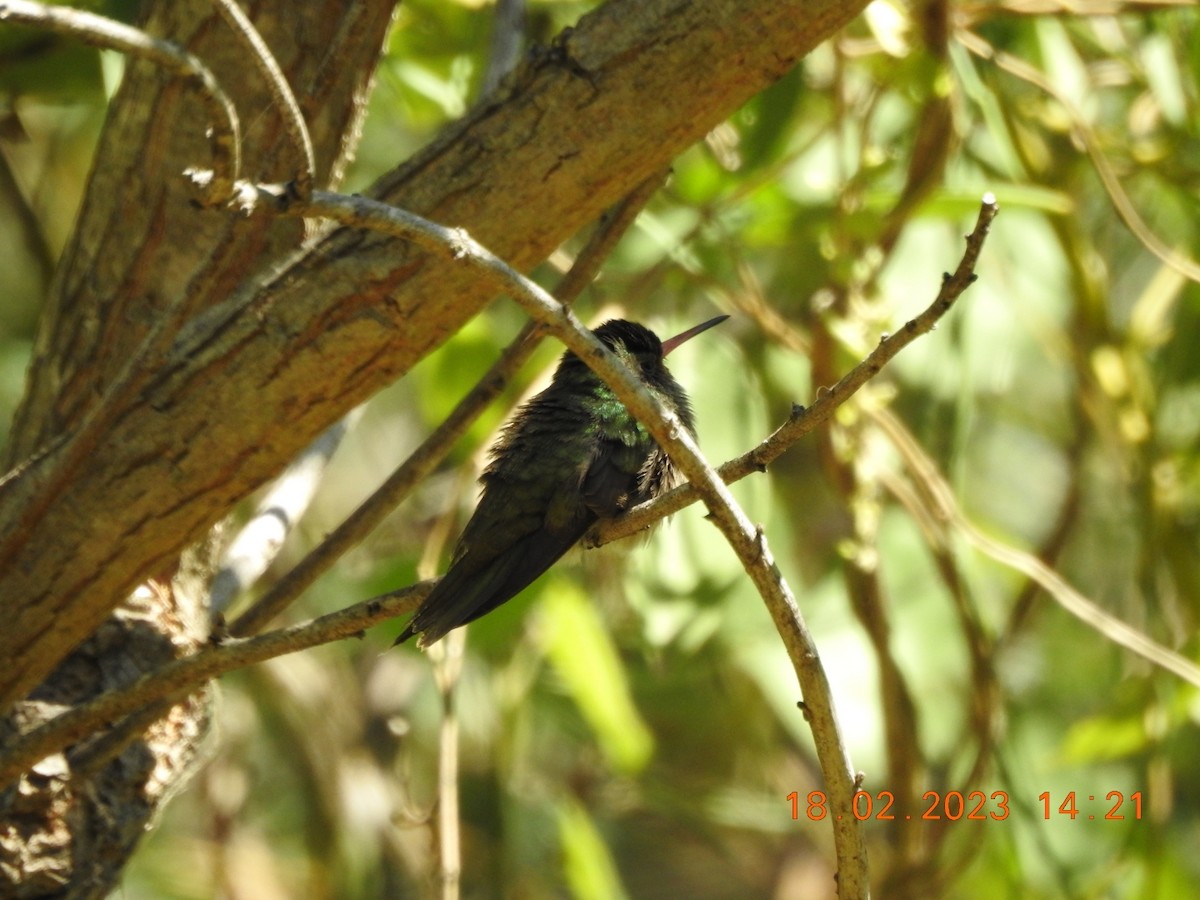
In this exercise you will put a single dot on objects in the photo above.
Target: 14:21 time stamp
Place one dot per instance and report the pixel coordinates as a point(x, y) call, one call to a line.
point(972, 806)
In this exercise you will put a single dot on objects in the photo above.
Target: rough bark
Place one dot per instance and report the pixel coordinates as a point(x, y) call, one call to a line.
point(68, 827)
point(281, 339)
point(139, 245)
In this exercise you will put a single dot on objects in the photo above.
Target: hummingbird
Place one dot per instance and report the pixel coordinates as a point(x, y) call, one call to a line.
point(570, 456)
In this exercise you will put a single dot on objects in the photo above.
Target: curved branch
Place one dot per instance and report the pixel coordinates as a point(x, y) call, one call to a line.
point(1180, 262)
point(748, 542)
point(304, 341)
point(281, 92)
point(101, 32)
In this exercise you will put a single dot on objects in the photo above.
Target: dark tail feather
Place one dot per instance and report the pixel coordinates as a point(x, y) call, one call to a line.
point(479, 581)
point(461, 597)
point(469, 590)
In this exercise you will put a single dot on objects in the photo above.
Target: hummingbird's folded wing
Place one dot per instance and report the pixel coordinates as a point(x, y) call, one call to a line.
point(610, 484)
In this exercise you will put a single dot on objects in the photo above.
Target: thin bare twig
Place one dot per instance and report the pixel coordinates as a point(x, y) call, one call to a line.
point(804, 420)
point(1124, 207)
point(101, 32)
point(447, 669)
point(982, 724)
point(972, 14)
point(941, 498)
point(281, 93)
point(1078, 605)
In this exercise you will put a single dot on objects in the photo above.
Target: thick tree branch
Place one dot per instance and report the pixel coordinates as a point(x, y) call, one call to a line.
point(142, 260)
point(142, 256)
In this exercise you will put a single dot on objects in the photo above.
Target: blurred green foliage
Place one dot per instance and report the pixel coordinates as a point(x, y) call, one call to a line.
point(629, 724)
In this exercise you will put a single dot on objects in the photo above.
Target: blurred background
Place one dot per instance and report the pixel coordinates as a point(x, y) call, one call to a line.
point(628, 726)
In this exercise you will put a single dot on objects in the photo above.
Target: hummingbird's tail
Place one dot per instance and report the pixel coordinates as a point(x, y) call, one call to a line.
point(475, 586)
point(463, 596)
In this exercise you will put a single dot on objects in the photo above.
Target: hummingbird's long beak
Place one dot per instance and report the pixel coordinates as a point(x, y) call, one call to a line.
point(671, 343)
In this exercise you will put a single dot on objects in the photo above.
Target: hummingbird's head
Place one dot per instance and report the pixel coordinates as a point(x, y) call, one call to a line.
point(637, 346)
point(640, 348)
point(642, 351)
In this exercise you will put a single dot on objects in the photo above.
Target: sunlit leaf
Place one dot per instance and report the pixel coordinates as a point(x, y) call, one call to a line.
point(591, 873)
point(579, 648)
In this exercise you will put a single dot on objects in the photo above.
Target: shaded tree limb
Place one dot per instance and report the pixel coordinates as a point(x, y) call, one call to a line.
point(141, 261)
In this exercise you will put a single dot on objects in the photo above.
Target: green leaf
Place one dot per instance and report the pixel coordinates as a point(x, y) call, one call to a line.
point(580, 651)
point(1104, 737)
point(589, 868)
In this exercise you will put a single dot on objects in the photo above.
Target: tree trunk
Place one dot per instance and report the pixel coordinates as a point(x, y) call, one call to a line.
point(139, 246)
point(281, 337)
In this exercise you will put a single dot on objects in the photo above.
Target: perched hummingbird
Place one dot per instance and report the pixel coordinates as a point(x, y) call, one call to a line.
point(571, 455)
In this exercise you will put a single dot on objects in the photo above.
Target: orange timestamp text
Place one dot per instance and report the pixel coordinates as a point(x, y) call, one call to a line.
point(972, 806)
